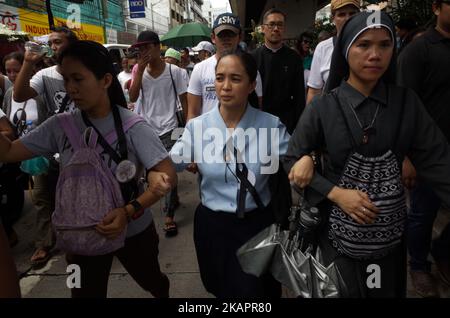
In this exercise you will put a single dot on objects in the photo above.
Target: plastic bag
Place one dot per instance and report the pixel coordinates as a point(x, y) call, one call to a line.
point(35, 166)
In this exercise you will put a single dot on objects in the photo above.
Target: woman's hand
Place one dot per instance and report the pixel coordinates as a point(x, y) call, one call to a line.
point(355, 203)
point(192, 167)
point(159, 183)
point(408, 174)
point(302, 171)
point(113, 224)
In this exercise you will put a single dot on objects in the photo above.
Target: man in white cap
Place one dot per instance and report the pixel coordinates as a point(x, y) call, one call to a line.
point(341, 11)
point(205, 50)
point(201, 95)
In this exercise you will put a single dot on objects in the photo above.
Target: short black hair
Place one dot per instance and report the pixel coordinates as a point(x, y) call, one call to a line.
point(273, 11)
point(306, 35)
point(407, 24)
point(70, 35)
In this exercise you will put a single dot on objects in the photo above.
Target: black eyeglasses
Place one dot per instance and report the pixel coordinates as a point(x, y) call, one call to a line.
point(307, 41)
point(273, 25)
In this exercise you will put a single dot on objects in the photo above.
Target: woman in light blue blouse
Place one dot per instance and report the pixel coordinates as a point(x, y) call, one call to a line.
point(235, 148)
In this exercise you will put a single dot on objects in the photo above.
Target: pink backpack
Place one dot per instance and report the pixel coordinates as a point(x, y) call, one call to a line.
point(86, 191)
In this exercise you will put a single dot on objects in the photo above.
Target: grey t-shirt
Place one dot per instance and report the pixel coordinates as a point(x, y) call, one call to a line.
point(50, 83)
point(144, 148)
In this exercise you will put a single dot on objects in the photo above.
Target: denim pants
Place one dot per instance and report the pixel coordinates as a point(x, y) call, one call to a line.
point(424, 207)
point(171, 199)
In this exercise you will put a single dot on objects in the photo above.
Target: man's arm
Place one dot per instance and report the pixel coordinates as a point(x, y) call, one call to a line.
point(311, 93)
point(184, 103)
point(194, 106)
point(136, 84)
point(22, 88)
point(315, 80)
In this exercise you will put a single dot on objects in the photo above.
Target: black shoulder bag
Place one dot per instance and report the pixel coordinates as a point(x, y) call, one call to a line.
point(178, 108)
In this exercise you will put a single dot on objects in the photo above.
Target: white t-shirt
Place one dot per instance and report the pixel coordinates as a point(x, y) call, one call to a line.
point(123, 78)
point(30, 116)
point(49, 83)
point(2, 114)
point(202, 83)
point(320, 67)
point(158, 103)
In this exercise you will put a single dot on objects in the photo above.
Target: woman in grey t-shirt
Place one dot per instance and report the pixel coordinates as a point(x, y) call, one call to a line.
point(91, 83)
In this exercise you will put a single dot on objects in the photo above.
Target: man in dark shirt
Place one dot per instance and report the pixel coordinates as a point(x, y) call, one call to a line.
point(281, 71)
point(424, 66)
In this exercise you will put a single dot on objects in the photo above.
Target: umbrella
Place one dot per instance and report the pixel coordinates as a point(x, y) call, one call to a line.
point(292, 257)
point(187, 35)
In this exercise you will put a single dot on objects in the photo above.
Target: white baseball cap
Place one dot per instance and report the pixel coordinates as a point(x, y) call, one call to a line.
point(204, 45)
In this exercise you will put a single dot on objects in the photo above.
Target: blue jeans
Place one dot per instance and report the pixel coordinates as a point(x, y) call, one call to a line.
point(171, 199)
point(424, 207)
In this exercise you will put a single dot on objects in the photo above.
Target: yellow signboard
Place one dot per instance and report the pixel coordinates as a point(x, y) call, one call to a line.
point(37, 24)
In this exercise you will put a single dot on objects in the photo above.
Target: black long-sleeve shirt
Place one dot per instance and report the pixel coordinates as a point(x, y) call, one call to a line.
point(283, 84)
point(322, 128)
point(424, 66)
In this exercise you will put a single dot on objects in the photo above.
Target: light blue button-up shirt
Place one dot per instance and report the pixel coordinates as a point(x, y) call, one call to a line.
point(260, 139)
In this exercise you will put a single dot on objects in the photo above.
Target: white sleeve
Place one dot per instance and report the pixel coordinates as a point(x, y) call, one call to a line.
point(195, 83)
point(315, 78)
point(180, 81)
point(37, 82)
point(2, 114)
point(258, 88)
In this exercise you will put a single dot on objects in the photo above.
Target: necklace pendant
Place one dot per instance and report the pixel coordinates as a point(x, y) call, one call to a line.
point(365, 139)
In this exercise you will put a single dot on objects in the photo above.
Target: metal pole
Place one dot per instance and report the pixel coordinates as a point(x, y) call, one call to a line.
point(153, 21)
point(51, 22)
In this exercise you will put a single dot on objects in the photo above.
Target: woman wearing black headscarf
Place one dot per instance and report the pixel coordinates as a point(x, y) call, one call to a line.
point(364, 126)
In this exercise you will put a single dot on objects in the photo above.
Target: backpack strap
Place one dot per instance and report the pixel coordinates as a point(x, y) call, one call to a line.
point(70, 128)
point(90, 138)
point(130, 122)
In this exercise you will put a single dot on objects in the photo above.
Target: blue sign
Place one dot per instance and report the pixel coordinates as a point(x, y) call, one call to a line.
point(137, 6)
point(137, 15)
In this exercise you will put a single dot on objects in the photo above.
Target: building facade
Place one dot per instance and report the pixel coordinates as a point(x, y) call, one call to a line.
point(97, 20)
point(156, 18)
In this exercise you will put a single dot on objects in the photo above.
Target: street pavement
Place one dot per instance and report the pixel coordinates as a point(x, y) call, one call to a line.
point(176, 255)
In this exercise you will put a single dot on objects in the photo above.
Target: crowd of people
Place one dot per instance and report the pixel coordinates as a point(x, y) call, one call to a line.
point(358, 123)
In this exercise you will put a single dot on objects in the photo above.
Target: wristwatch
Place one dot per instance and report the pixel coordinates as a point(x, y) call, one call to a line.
point(138, 209)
